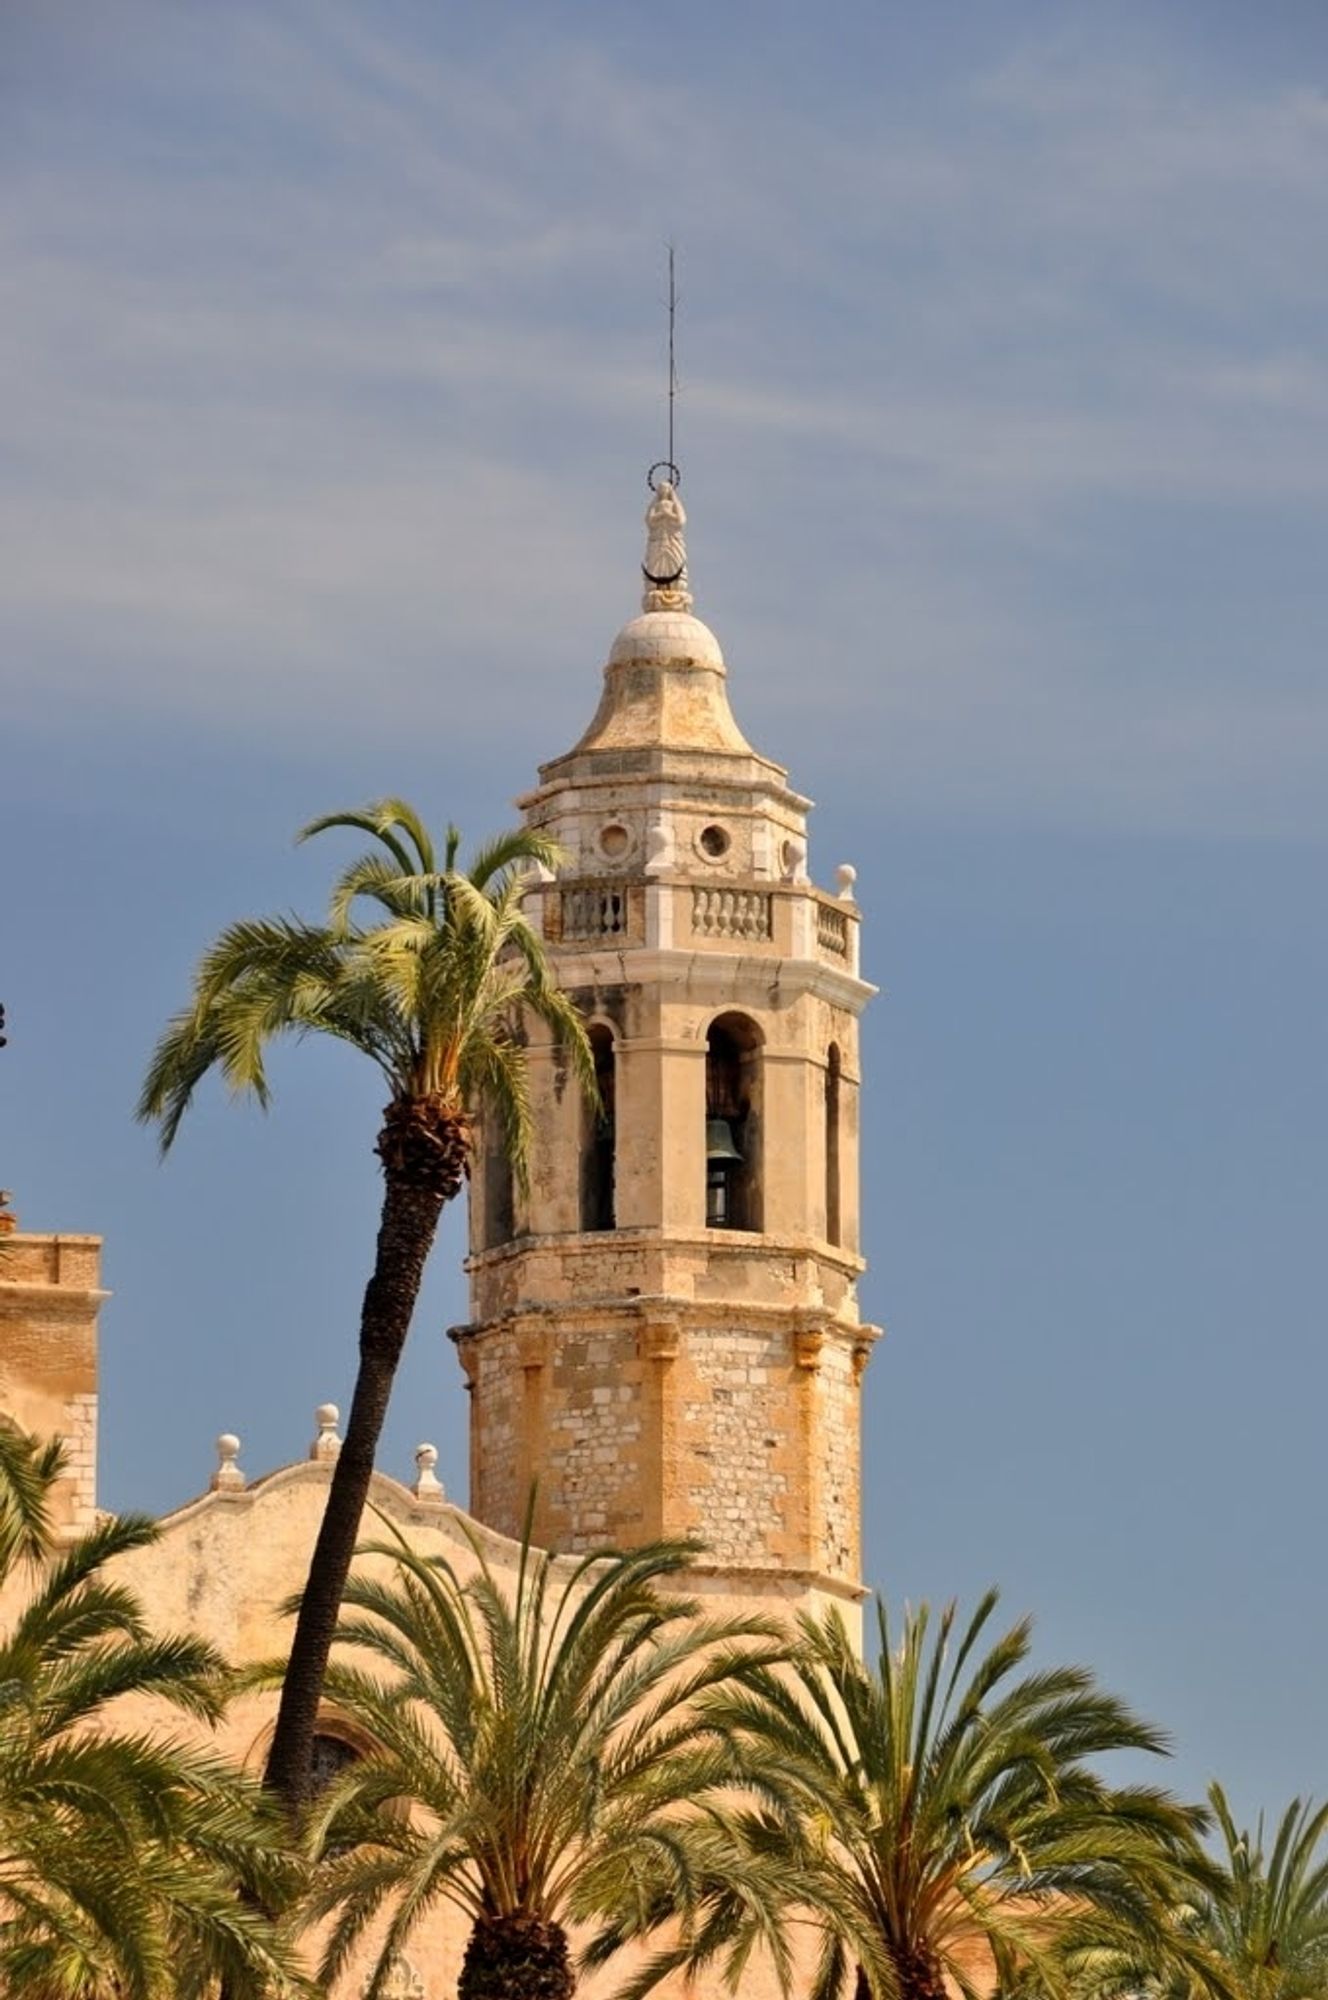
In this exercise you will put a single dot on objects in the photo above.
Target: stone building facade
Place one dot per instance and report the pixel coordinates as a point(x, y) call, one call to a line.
point(664, 1337)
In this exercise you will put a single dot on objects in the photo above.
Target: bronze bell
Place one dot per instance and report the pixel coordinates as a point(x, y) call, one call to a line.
point(719, 1141)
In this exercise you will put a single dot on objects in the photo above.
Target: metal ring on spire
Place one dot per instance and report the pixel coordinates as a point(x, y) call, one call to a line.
point(663, 465)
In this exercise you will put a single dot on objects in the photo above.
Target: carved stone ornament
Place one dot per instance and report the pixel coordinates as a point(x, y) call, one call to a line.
point(660, 1339)
point(428, 1486)
point(403, 1982)
point(665, 566)
point(808, 1341)
point(327, 1444)
point(659, 844)
point(228, 1478)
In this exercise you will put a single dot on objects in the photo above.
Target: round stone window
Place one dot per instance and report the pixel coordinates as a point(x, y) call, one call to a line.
point(614, 841)
point(714, 842)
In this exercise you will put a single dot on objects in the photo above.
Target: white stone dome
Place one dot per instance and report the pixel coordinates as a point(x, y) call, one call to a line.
point(672, 638)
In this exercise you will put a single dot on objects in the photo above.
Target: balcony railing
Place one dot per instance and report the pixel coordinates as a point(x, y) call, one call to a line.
point(594, 912)
point(731, 913)
point(832, 930)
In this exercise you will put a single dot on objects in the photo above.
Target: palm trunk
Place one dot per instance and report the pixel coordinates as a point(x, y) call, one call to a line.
point(424, 1151)
point(516, 1958)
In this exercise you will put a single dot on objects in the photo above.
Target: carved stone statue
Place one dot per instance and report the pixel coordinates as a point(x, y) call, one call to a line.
point(665, 566)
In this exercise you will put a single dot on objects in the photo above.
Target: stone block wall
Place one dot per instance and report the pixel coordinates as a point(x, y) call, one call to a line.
point(590, 1445)
point(50, 1296)
point(743, 1476)
point(738, 1429)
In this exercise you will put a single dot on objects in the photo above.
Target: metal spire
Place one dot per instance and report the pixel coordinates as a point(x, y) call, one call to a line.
point(668, 467)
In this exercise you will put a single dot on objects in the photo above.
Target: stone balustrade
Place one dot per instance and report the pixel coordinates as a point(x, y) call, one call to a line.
point(731, 913)
point(832, 930)
point(596, 910)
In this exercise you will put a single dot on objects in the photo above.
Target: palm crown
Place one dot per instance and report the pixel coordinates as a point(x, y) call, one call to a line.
point(430, 992)
point(1262, 1928)
point(946, 1815)
point(550, 1747)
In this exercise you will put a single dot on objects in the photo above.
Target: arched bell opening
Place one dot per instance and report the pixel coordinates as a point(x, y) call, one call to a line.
point(733, 1188)
point(834, 1076)
point(599, 1136)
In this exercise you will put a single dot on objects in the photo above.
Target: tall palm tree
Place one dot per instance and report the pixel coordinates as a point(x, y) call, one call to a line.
point(1263, 1925)
point(945, 1813)
point(121, 1851)
point(546, 1748)
point(432, 992)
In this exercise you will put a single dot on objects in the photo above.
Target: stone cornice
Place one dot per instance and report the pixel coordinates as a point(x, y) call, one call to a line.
point(791, 1581)
point(715, 1242)
point(716, 972)
point(76, 1239)
point(653, 1307)
point(52, 1301)
point(681, 771)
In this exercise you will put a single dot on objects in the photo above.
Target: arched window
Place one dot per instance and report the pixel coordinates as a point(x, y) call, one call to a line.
point(833, 1094)
point(598, 1136)
point(733, 1124)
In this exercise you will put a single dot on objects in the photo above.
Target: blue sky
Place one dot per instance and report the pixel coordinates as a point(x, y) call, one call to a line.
point(332, 344)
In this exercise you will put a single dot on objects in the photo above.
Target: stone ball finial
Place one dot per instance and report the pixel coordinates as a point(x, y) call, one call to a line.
point(428, 1486)
point(327, 1444)
point(228, 1478)
point(846, 875)
point(659, 844)
point(793, 859)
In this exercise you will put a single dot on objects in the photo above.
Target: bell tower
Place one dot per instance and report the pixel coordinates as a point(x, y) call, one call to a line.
point(664, 1331)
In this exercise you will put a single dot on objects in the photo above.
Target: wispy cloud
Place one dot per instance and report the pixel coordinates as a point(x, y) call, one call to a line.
point(334, 341)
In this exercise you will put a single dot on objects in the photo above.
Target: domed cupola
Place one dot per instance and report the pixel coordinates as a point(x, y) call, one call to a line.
point(663, 758)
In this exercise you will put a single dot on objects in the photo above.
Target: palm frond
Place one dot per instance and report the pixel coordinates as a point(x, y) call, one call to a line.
point(433, 990)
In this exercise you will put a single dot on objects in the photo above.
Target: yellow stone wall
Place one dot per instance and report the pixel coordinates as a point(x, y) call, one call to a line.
point(50, 1296)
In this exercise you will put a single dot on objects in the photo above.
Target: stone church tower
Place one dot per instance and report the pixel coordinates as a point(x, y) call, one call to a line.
point(665, 1335)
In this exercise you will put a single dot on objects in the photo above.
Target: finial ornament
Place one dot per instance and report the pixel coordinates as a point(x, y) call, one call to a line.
point(665, 566)
point(228, 1478)
point(327, 1444)
point(428, 1486)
